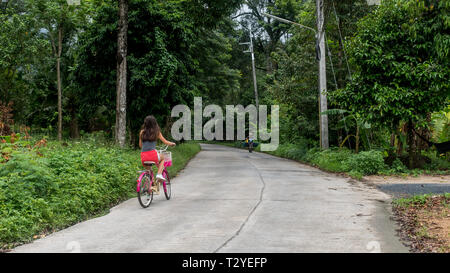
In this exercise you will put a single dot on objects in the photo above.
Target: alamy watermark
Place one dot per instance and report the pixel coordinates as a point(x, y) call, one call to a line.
point(213, 128)
point(374, 247)
point(73, 247)
point(73, 2)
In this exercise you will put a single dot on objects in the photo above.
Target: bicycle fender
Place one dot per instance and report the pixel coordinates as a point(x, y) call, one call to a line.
point(138, 187)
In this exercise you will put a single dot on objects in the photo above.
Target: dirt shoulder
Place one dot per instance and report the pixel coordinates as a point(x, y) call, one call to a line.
point(425, 223)
point(420, 179)
point(424, 220)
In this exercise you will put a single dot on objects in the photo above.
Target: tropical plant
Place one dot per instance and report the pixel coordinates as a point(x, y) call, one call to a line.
point(362, 126)
point(441, 125)
point(401, 52)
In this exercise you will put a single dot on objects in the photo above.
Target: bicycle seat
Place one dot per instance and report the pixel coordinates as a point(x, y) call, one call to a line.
point(149, 163)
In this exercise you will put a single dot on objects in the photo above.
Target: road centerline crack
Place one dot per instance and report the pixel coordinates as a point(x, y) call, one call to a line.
point(251, 212)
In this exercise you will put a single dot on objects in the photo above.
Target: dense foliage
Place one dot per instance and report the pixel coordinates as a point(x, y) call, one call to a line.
point(402, 59)
point(388, 70)
point(51, 186)
point(387, 67)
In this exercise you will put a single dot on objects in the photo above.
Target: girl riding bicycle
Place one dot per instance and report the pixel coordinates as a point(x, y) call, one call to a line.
point(147, 141)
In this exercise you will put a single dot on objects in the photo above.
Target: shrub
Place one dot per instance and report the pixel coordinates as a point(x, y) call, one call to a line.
point(437, 162)
point(296, 151)
point(366, 163)
point(331, 159)
point(311, 154)
point(355, 174)
point(398, 166)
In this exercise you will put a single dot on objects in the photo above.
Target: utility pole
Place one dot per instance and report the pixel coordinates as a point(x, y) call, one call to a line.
point(121, 82)
point(323, 119)
point(255, 85)
point(320, 52)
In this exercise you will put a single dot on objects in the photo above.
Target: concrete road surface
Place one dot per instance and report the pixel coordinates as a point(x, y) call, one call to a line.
point(228, 200)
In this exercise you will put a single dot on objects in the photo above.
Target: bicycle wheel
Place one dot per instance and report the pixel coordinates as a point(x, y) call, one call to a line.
point(145, 195)
point(166, 185)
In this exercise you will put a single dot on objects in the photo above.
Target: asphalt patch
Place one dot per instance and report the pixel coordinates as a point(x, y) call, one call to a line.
point(407, 190)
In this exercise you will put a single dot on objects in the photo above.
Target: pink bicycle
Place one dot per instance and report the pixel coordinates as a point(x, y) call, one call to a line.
point(146, 184)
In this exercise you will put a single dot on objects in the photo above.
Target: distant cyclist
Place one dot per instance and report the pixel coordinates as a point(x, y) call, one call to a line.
point(147, 141)
point(249, 142)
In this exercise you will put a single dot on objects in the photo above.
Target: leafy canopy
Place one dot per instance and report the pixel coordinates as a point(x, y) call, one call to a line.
point(401, 53)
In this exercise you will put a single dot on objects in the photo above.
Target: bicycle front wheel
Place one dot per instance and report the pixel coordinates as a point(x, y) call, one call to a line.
point(145, 195)
point(166, 184)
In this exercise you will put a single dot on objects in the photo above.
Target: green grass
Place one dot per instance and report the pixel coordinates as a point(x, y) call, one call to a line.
point(411, 201)
point(418, 200)
point(50, 188)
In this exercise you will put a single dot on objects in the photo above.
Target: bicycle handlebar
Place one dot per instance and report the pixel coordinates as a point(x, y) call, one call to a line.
point(160, 148)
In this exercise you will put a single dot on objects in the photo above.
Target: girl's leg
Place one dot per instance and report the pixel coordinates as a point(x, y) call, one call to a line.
point(160, 169)
point(161, 164)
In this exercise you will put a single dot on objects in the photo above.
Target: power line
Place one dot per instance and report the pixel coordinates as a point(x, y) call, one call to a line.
point(341, 40)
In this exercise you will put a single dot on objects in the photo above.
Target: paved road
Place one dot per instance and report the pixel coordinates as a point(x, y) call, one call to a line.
point(228, 200)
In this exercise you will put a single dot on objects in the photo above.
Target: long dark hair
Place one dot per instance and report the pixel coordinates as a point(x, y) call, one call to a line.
point(151, 129)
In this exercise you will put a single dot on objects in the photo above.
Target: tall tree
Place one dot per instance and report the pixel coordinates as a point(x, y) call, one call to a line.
point(269, 27)
point(172, 55)
point(20, 47)
point(59, 19)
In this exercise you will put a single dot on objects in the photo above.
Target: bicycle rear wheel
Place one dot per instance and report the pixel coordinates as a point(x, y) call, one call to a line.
point(145, 195)
point(166, 184)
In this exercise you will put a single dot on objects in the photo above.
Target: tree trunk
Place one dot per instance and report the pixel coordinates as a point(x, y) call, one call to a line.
point(391, 151)
point(411, 145)
point(426, 133)
point(399, 141)
point(74, 129)
point(58, 75)
point(122, 73)
point(132, 140)
point(399, 145)
point(393, 133)
point(357, 139)
point(339, 136)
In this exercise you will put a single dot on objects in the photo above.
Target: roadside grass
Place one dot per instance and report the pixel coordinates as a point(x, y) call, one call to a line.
point(181, 154)
point(419, 200)
point(53, 185)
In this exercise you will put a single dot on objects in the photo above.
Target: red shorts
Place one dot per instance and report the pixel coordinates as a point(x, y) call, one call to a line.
point(150, 156)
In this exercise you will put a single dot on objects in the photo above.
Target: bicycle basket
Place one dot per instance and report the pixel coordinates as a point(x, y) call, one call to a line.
point(167, 158)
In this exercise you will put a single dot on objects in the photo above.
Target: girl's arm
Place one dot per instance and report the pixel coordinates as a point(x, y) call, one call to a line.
point(165, 141)
point(140, 139)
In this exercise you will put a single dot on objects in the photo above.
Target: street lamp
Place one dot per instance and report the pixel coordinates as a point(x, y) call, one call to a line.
point(287, 21)
point(320, 56)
